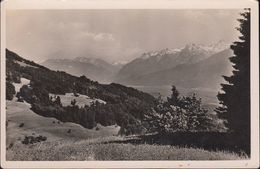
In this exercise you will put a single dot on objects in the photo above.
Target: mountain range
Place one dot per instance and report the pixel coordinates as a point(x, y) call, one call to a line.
point(206, 73)
point(192, 66)
point(94, 68)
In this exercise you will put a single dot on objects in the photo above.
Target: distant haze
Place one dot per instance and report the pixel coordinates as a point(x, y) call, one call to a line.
point(113, 35)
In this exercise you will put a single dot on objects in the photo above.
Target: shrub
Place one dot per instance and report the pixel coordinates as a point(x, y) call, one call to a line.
point(179, 114)
point(10, 91)
point(25, 94)
point(20, 99)
point(21, 125)
point(32, 139)
point(76, 94)
point(73, 102)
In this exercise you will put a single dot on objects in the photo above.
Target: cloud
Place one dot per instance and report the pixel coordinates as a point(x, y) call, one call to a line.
point(113, 35)
point(99, 37)
point(104, 37)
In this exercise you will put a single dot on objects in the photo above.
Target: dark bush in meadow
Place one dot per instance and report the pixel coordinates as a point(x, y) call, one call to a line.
point(33, 139)
point(21, 125)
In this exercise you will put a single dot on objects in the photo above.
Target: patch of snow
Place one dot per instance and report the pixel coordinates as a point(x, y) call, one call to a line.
point(159, 54)
point(154, 53)
point(81, 100)
point(24, 64)
point(189, 54)
point(18, 86)
point(120, 63)
point(172, 51)
point(145, 56)
point(85, 60)
point(211, 48)
point(99, 100)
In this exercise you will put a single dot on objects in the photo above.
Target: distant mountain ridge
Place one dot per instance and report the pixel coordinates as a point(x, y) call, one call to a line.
point(206, 73)
point(155, 61)
point(94, 68)
point(178, 66)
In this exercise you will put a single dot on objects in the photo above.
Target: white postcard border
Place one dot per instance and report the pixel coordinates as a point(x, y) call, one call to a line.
point(253, 162)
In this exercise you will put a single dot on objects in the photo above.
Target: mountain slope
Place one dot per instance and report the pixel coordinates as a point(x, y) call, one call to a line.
point(96, 69)
point(206, 73)
point(124, 106)
point(156, 61)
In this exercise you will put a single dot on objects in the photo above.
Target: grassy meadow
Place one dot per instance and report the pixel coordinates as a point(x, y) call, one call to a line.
point(69, 141)
point(100, 149)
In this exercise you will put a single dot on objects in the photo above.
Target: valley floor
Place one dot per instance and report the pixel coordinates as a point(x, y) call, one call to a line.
point(69, 141)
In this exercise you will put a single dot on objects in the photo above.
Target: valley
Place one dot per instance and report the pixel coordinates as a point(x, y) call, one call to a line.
point(52, 115)
point(208, 96)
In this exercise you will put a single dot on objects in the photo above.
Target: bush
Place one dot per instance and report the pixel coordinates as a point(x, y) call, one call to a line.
point(32, 139)
point(20, 99)
point(73, 102)
point(179, 114)
point(25, 94)
point(76, 94)
point(10, 91)
point(21, 125)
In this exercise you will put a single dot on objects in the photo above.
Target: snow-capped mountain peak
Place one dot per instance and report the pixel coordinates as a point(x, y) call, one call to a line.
point(160, 53)
point(86, 60)
point(192, 48)
point(219, 46)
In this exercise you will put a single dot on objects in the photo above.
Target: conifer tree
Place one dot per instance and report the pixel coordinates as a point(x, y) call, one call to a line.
point(235, 95)
point(174, 96)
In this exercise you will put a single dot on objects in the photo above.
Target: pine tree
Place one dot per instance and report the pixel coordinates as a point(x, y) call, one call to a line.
point(58, 101)
point(235, 95)
point(173, 100)
point(73, 102)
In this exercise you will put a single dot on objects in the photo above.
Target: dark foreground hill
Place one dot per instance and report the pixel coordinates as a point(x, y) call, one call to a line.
point(124, 106)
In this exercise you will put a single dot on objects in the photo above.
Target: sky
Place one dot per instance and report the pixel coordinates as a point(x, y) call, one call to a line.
point(116, 36)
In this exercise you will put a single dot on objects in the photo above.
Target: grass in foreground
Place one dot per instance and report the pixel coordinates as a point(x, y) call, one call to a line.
point(99, 150)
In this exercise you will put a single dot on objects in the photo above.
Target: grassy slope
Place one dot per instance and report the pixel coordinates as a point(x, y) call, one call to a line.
point(97, 149)
point(18, 113)
point(85, 144)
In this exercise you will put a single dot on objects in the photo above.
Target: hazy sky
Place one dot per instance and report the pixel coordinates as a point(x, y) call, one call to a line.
point(113, 35)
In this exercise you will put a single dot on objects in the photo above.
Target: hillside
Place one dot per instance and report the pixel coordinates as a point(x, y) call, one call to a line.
point(22, 121)
point(124, 106)
point(206, 73)
point(54, 116)
point(95, 69)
